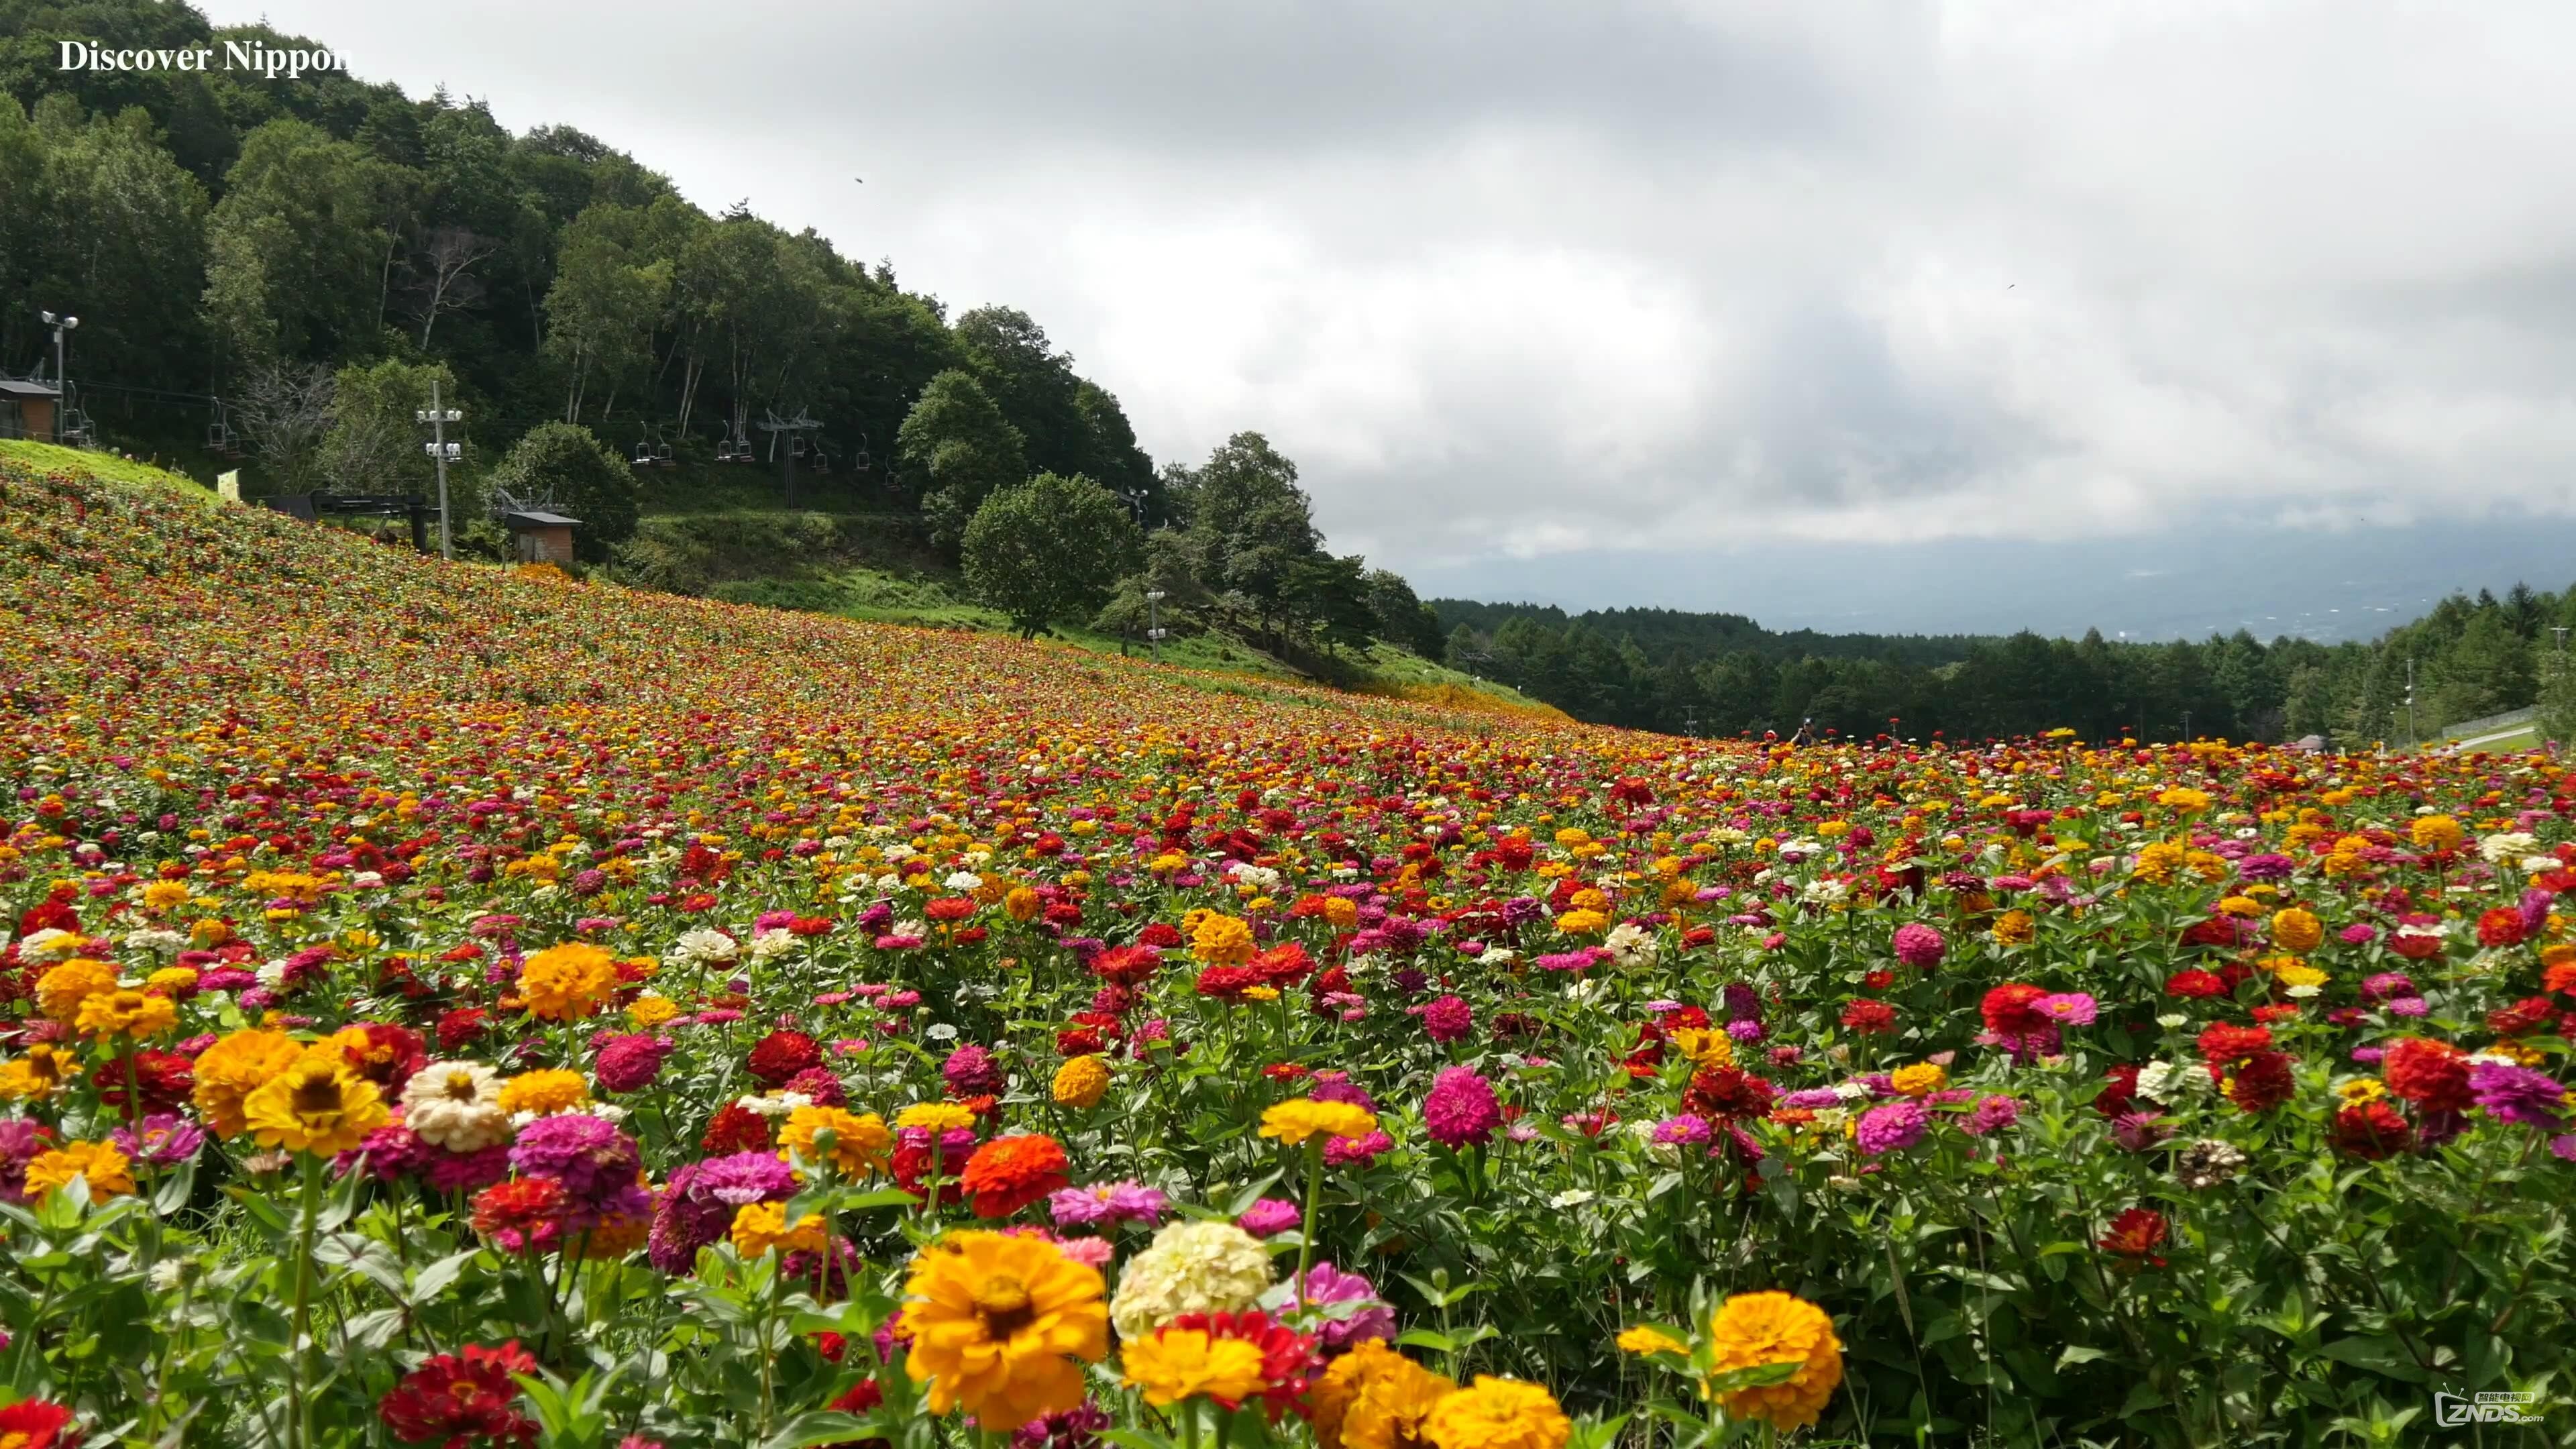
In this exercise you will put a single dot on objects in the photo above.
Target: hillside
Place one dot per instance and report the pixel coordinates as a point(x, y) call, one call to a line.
point(424, 974)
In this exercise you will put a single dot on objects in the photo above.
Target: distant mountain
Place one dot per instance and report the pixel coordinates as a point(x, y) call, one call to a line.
point(2271, 581)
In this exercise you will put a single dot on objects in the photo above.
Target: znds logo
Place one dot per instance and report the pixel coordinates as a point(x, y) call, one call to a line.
point(2451, 1411)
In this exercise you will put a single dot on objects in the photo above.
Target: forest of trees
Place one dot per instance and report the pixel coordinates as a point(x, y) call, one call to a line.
point(1722, 674)
point(287, 267)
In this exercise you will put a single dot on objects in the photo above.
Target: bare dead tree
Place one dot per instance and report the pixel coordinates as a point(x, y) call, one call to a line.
point(443, 272)
point(286, 410)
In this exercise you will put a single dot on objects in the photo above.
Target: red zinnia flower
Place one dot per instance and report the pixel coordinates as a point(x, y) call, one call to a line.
point(736, 1128)
point(781, 1055)
point(2262, 1082)
point(1870, 1018)
point(1283, 966)
point(2195, 984)
point(1127, 965)
point(2370, 1130)
point(37, 1424)
point(2120, 1094)
point(461, 1027)
point(2008, 1011)
point(2225, 1043)
point(163, 1078)
point(2431, 1074)
point(2135, 1234)
point(1008, 1173)
point(464, 1397)
point(1288, 1358)
point(1161, 933)
point(2501, 926)
point(524, 1214)
point(1727, 1092)
point(2523, 1018)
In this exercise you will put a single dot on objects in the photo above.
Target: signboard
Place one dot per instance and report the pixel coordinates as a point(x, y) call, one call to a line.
point(228, 486)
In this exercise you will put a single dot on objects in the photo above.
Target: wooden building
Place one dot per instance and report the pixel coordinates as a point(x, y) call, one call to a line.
point(537, 537)
point(29, 409)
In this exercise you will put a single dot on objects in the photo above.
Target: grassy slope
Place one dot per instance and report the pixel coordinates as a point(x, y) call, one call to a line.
point(105, 465)
point(871, 570)
point(870, 573)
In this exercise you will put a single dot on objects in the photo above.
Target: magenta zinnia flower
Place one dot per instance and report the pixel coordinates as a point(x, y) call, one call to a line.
point(1270, 1217)
point(1892, 1126)
point(1917, 944)
point(1461, 1110)
point(2518, 1094)
point(2068, 1008)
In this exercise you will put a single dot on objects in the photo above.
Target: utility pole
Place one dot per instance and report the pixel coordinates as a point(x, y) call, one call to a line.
point(62, 384)
point(441, 452)
point(1690, 723)
point(1154, 623)
point(2186, 726)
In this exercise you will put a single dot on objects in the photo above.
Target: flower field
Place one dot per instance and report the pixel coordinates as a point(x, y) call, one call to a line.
point(457, 1006)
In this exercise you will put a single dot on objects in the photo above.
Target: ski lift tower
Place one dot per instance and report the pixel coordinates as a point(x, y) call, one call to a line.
point(795, 428)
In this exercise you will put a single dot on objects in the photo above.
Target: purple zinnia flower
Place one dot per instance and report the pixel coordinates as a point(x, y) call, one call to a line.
point(1332, 1085)
point(970, 1071)
point(1743, 1003)
point(743, 1177)
point(1270, 1217)
point(1461, 1109)
point(165, 1139)
point(1813, 1099)
point(1991, 1114)
point(1108, 1202)
point(1327, 1285)
point(588, 1155)
point(1892, 1127)
point(2518, 1094)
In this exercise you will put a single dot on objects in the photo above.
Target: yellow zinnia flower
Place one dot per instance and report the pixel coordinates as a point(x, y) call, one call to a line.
point(545, 1091)
point(651, 1011)
point(1375, 1398)
point(567, 982)
point(1498, 1414)
point(1180, 1363)
point(230, 1070)
point(761, 1227)
point(1645, 1340)
point(61, 990)
point(1081, 1082)
point(1221, 940)
point(317, 1105)
point(126, 1013)
point(97, 1163)
point(1299, 1118)
point(1751, 1330)
point(33, 1077)
point(1002, 1325)
point(934, 1117)
point(1921, 1079)
point(859, 1143)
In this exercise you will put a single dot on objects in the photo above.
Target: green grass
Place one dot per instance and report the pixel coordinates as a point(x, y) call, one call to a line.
point(51, 458)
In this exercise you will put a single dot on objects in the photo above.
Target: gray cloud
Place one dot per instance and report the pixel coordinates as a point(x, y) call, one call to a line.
point(1517, 280)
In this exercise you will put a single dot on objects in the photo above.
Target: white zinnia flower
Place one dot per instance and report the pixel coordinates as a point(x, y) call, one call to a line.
point(706, 944)
point(456, 1106)
point(1631, 944)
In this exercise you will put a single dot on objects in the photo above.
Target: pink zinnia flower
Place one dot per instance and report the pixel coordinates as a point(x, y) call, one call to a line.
point(1461, 1110)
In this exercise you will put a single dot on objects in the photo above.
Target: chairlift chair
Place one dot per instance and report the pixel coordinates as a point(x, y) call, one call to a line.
point(859, 455)
point(662, 450)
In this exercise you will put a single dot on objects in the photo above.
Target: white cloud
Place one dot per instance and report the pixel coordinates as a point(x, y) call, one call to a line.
point(1511, 279)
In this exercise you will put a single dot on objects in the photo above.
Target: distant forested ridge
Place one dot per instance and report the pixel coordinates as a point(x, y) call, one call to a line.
point(1723, 674)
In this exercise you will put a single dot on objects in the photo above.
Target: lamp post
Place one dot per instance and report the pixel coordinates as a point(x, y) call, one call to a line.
point(62, 403)
point(441, 452)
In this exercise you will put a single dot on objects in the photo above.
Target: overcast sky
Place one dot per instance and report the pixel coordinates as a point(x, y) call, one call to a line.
point(1530, 286)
